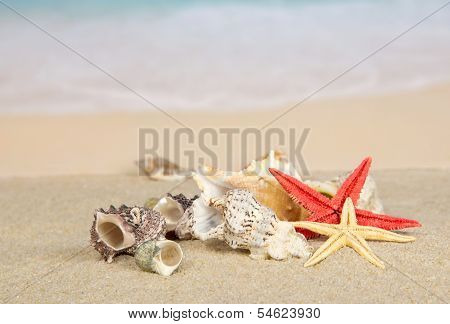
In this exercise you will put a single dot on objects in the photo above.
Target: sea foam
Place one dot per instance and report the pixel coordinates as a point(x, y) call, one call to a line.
point(228, 56)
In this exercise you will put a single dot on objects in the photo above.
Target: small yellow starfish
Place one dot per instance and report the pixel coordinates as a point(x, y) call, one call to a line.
point(349, 233)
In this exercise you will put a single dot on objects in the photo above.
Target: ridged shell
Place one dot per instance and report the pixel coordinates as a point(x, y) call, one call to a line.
point(268, 192)
point(198, 219)
point(257, 179)
point(255, 227)
point(184, 201)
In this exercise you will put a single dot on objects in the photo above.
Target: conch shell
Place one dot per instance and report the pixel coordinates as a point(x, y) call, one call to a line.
point(255, 227)
point(257, 179)
point(197, 219)
point(120, 230)
point(201, 217)
point(162, 257)
point(172, 208)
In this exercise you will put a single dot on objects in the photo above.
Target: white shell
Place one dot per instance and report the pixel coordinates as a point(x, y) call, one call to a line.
point(273, 159)
point(201, 218)
point(198, 219)
point(168, 258)
point(171, 210)
point(368, 198)
point(252, 226)
point(255, 177)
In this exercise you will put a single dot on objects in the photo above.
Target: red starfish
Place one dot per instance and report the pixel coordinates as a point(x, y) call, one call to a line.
point(326, 210)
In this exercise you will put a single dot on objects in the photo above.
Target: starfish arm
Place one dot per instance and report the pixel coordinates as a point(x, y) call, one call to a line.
point(352, 185)
point(378, 234)
point(367, 218)
point(330, 218)
point(358, 244)
point(302, 194)
point(331, 245)
point(319, 228)
point(348, 216)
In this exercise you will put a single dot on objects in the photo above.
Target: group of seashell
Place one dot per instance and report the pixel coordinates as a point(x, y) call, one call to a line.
point(246, 209)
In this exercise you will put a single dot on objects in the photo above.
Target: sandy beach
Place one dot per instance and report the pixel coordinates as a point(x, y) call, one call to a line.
point(399, 130)
point(56, 170)
point(47, 257)
point(220, 84)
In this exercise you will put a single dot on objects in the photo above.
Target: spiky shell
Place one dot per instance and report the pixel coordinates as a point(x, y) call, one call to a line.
point(135, 224)
point(184, 228)
point(184, 201)
point(257, 179)
point(200, 217)
point(197, 219)
point(172, 208)
point(252, 226)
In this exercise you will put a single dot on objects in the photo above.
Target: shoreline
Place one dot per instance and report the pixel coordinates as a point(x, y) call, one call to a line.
point(401, 131)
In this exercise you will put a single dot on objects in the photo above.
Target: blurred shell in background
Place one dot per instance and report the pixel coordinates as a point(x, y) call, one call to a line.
point(158, 168)
point(368, 198)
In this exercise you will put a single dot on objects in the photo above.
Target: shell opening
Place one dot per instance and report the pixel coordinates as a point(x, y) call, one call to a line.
point(170, 254)
point(111, 231)
point(171, 210)
point(206, 217)
point(111, 234)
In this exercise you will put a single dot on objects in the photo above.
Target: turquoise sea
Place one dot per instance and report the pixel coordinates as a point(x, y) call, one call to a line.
point(226, 55)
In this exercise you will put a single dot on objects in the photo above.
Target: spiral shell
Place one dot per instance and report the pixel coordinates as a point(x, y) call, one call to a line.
point(255, 227)
point(162, 257)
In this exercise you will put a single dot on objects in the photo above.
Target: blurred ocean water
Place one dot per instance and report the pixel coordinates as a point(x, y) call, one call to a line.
point(224, 55)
